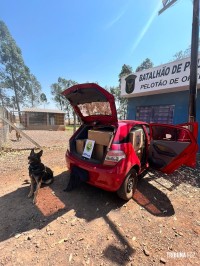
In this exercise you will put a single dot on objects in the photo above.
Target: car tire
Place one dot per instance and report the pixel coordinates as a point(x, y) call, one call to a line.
point(142, 175)
point(129, 185)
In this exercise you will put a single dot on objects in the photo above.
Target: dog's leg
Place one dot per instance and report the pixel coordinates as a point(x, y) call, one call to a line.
point(36, 191)
point(31, 188)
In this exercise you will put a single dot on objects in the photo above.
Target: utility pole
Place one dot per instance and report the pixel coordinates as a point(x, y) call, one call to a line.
point(194, 62)
point(194, 55)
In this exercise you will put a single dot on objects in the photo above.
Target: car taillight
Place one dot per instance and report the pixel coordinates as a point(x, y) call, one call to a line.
point(113, 157)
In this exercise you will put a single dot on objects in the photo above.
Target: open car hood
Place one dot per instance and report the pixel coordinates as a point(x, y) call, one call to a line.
point(92, 103)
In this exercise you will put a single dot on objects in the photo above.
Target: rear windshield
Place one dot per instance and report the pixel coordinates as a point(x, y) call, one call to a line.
point(95, 108)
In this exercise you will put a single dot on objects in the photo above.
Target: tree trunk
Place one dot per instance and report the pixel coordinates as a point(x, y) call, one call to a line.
point(32, 99)
point(68, 119)
point(16, 97)
point(68, 116)
point(18, 107)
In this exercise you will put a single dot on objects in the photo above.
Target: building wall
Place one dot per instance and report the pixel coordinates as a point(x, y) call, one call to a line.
point(41, 121)
point(179, 99)
point(46, 127)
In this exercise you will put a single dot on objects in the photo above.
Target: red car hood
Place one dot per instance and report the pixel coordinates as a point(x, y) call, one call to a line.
point(92, 103)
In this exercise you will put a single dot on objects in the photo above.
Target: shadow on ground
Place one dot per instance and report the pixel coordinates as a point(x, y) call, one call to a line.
point(88, 202)
point(183, 175)
point(152, 199)
point(23, 215)
point(19, 214)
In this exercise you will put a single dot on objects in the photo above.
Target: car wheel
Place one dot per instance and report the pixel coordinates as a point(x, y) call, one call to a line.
point(142, 174)
point(129, 185)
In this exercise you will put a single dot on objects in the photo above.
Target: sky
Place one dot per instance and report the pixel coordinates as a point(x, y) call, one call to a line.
point(90, 40)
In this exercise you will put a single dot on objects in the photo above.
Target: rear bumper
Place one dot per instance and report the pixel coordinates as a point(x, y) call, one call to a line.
point(105, 177)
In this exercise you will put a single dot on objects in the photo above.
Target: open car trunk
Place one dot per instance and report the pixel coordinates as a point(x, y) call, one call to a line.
point(102, 137)
point(95, 107)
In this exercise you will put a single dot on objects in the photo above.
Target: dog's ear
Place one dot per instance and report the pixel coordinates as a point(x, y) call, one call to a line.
point(32, 152)
point(40, 153)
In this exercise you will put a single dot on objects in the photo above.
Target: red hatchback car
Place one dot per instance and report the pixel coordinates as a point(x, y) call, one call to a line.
point(119, 151)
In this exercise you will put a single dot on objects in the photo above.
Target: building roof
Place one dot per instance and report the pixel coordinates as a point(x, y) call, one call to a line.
point(37, 110)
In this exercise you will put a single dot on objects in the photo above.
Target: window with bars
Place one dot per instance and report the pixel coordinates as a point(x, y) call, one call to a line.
point(157, 113)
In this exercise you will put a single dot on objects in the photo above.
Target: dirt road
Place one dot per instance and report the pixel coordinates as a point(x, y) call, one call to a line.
point(89, 226)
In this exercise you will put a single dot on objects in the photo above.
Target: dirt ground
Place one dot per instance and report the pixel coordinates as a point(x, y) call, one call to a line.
point(89, 226)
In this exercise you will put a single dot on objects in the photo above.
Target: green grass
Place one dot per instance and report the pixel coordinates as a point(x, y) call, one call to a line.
point(71, 127)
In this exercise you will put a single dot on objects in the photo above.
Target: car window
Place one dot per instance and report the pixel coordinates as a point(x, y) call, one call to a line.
point(170, 133)
point(163, 133)
point(183, 136)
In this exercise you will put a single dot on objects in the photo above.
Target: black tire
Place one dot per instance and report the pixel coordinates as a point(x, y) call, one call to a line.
point(129, 185)
point(142, 174)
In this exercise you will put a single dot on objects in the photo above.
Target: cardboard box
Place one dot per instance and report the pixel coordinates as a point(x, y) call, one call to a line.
point(98, 152)
point(101, 137)
point(136, 138)
point(80, 144)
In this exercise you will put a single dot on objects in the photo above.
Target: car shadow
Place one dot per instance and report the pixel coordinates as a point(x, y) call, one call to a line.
point(183, 175)
point(152, 199)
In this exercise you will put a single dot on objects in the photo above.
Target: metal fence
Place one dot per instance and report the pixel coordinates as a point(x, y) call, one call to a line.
point(4, 127)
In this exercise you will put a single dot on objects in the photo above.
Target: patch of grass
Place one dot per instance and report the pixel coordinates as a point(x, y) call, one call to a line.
point(71, 127)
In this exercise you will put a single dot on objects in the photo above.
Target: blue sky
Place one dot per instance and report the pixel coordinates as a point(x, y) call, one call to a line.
point(90, 40)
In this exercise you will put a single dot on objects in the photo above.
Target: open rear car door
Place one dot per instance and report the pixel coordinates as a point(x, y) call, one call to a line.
point(172, 146)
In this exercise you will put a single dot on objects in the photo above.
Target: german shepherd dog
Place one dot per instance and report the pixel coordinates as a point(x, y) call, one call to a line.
point(39, 173)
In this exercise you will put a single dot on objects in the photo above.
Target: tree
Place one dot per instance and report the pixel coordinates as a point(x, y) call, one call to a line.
point(56, 90)
point(13, 72)
point(183, 54)
point(17, 85)
point(121, 103)
point(43, 98)
point(126, 69)
point(144, 65)
point(33, 91)
point(9, 102)
point(3, 97)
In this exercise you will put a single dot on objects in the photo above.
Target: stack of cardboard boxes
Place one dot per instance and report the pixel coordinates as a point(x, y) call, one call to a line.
point(137, 139)
point(102, 140)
